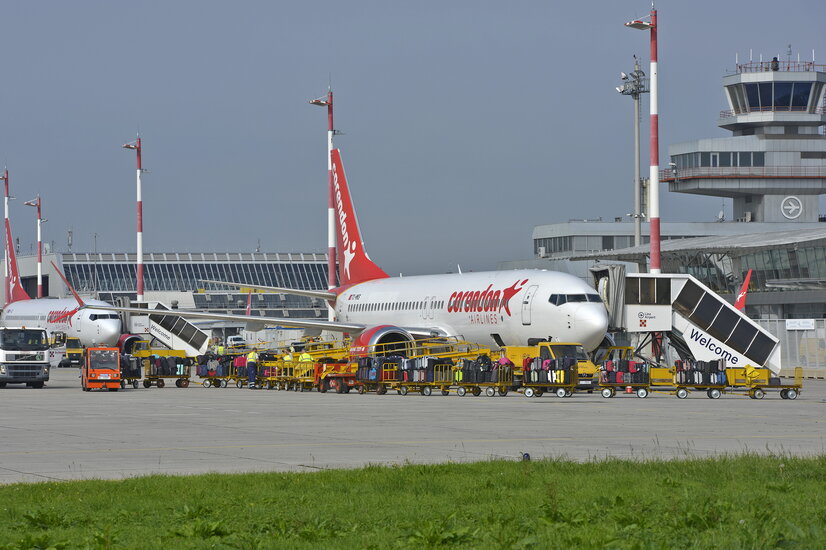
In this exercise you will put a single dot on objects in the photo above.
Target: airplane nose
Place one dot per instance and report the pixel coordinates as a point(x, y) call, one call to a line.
point(109, 333)
point(592, 323)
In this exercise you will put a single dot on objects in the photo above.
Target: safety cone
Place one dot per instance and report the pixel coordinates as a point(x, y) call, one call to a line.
point(629, 389)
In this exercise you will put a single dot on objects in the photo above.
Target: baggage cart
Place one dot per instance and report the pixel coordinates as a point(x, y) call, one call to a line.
point(622, 374)
point(756, 382)
point(377, 374)
point(130, 371)
point(424, 375)
point(213, 371)
point(557, 376)
point(158, 369)
point(708, 376)
point(479, 375)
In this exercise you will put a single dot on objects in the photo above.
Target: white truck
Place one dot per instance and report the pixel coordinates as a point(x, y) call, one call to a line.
point(24, 356)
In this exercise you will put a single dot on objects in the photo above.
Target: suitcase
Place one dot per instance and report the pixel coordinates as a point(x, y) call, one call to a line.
point(620, 377)
point(609, 365)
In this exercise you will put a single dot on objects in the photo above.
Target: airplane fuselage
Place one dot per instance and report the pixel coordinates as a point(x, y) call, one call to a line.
point(92, 327)
point(489, 308)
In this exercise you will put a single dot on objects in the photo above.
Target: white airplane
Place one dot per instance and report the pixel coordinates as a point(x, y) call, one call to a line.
point(492, 308)
point(93, 328)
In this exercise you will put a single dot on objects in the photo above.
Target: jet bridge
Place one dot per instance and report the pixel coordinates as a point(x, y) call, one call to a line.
point(698, 323)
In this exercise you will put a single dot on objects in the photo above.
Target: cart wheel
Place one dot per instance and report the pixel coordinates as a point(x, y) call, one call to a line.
point(460, 391)
point(642, 393)
point(161, 383)
point(426, 391)
point(569, 393)
point(714, 393)
point(206, 383)
point(759, 394)
point(339, 386)
point(445, 392)
point(529, 392)
point(403, 390)
point(185, 383)
point(381, 389)
point(607, 392)
point(135, 384)
point(322, 386)
point(224, 383)
point(783, 394)
point(503, 392)
point(239, 384)
point(791, 393)
point(682, 393)
point(147, 383)
point(361, 389)
point(178, 383)
point(561, 392)
point(490, 392)
point(539, 392)
point(477, 392)
point(123, 383)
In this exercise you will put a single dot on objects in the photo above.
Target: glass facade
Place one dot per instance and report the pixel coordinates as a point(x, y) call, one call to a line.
point(720, 159)
point(770, 96)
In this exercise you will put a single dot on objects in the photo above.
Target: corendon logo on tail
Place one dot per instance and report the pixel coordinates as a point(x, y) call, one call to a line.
point(484, 301)
point(348, 246)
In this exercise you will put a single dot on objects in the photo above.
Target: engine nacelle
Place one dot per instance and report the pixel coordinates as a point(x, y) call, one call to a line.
point(381, 340)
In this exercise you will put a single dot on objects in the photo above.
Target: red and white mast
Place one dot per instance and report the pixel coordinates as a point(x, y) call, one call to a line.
point(654, 174)
point(6, 219)
point(36, 203)
point(136, 145)
point(331, 204)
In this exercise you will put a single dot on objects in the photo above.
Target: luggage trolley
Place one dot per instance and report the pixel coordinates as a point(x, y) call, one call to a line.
point(213, 371)
point(377, 374)
point(170, 367)
point(424, 374)
point(755, 382)
point(559, 376)
point(481, 374)
point(624, 373)
point(710, 376)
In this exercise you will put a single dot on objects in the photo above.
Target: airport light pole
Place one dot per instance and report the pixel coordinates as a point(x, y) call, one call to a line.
point(331, 204)
point(634, 85)
point(136, 145)
point(654, 175)
point(40, 219)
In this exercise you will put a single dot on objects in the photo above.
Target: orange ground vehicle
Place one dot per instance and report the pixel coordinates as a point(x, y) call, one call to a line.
point(101, 369)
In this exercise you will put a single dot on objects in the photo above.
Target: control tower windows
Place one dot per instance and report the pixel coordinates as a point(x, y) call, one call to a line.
point(775, 96)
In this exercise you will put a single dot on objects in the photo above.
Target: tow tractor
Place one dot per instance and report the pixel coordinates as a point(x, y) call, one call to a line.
point(101, 369)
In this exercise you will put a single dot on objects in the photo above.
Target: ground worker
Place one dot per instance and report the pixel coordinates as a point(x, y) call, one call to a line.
point(219, 349)
point(288, 356)
point(306, 358)
point(252, 360)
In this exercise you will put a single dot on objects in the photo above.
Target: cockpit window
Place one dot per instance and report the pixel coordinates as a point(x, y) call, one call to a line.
point(559, 299)
point(96, 316)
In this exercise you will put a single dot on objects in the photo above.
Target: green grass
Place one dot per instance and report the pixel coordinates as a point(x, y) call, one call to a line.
point(728, 502)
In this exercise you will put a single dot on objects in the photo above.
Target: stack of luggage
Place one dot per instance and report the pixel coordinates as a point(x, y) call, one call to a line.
point(700, 373)
point(426, 370)
point(375, 369)
point(130, 367)
point(623, 371)
point(560, 371)
point(167, 366)
point(483, 371)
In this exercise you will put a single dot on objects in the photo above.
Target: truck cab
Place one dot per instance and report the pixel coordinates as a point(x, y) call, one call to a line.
point(24, 356)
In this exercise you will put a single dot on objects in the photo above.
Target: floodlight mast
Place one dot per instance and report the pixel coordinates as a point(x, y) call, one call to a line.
point(654, 170)
point(136, 145)
point(36, 203)
point(6, 199)
point(331, 213)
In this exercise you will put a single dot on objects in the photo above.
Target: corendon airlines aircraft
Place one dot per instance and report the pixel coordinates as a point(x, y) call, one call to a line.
point(55, 315)
point(492, 308)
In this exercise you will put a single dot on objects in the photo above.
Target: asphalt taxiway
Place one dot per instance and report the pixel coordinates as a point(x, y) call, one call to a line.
point(60, 432)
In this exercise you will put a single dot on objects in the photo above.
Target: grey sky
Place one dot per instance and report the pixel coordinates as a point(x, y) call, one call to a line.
point(466, 123)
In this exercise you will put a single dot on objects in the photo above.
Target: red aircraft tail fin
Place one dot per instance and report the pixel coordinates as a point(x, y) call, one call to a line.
point(354, 265)
point(14, 290)
point(741, 297)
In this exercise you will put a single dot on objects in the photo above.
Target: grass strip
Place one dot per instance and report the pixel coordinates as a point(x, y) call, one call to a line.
point(745, 501)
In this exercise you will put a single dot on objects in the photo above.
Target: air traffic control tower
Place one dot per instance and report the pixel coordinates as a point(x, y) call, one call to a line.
point(774, 164)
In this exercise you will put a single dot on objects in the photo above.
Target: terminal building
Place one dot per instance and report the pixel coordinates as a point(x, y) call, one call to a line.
point(177, 279)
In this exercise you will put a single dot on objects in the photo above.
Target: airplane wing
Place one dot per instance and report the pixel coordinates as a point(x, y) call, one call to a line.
point(335, 326)
point(320, 294)
point(283, 321)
